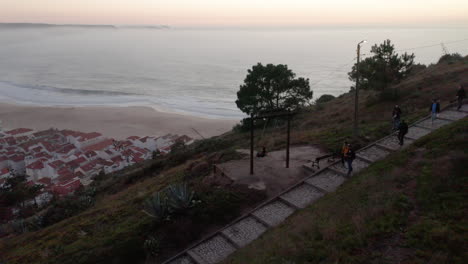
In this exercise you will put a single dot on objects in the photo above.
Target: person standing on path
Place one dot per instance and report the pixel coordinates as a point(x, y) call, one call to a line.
point(460, 96)
point(344, 150)
point(402, 131)
point(396, 115)
point(434, 109)
point(349, 157)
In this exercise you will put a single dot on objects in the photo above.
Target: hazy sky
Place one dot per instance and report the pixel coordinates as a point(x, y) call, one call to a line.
point(238, 12)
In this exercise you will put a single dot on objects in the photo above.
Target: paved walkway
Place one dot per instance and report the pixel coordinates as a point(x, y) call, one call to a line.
point(249, 227)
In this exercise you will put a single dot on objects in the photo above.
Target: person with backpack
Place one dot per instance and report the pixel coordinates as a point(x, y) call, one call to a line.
point(396, 115)
point(434, 109)
point(349, 157)
point(402, 131)
point(460, 96)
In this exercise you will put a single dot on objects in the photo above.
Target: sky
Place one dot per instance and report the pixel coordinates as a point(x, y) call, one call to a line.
point(221, 13)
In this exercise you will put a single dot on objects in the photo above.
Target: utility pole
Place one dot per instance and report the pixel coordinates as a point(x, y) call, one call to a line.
point(356, 91)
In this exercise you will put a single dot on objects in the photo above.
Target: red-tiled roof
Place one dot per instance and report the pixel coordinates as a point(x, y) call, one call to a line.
point(37, 149)
point(66, 149)
point(72, 133)
point(76, 162)
point(21, 139)
point(99, 146)
point(105, 162)
point(56, 164)
point(4, 171)
point(88, 136)
point(67, 188)
point(117, 159)
point(89, 166)
point(65, 176)
point(18, 131)
point(90, 154)
point(17, 158)
point(44, 133)
point(38, 165)
point(45, 181)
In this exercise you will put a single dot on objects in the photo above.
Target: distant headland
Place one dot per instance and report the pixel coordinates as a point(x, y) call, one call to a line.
point(45, 25)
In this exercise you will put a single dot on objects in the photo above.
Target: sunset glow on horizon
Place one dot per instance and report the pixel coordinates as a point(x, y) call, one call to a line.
point(237, 13)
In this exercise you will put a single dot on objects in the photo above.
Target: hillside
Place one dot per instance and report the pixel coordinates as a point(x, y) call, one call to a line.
point(407, 208)
point(114, 228)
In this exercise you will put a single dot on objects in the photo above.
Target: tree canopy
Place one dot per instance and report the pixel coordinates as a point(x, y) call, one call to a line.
point(383, 68)
point(272, 88)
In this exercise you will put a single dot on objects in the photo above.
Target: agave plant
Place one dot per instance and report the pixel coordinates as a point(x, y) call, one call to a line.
point(180, 197)
point(156, 206)
point(152, 246)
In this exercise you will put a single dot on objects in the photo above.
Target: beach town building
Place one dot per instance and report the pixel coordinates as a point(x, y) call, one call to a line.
point(64, 160)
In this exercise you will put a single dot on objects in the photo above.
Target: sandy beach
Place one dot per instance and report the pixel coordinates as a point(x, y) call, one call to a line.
point(115, 122)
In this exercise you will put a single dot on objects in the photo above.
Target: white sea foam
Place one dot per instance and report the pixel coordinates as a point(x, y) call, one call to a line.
point(53, 96)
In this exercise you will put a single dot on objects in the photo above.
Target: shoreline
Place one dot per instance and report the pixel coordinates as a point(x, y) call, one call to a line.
point(117, 122)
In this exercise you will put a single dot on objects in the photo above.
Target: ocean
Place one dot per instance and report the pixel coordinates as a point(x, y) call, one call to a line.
point(190, 71)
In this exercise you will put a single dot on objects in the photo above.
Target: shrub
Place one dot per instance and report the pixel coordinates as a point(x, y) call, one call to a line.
point(324, 98)
point(157, 207)
point(451, 58)
point(180, 197)
point(152, 246)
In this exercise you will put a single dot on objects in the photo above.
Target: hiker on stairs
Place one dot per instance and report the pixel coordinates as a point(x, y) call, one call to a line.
point(434, 109)
point(349, 157)
point(402, 131)
point(396, 115)
point(344, 150)
point(460, 96)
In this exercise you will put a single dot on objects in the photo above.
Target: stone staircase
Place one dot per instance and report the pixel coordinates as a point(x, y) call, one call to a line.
point(217, 246)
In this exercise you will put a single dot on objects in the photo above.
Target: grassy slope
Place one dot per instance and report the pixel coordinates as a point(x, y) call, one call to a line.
point(410, 207)
point(115, 224)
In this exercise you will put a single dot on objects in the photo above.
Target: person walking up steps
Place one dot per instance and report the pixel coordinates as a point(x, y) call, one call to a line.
point(434, 109)
point(396, 115)
point(460, 96)
point(402, 131)
point(344, 150)
point(349, 157)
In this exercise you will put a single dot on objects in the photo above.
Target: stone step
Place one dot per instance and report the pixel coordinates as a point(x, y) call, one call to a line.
point(464, 108)
point(373, 153)
point(302, 195)
point(244, 231)
point(273, 213)
point(452, 115)
point(184, 259)
point(391, 143)
point(415, 132)
point(427, 123)
point(358, 165)
point(212, 250)
point(326, 180)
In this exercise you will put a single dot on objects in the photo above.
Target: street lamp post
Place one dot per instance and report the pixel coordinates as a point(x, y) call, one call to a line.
point(356, 90)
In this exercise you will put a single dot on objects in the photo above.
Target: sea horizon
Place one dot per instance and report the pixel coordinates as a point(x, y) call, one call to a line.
point(191, 71)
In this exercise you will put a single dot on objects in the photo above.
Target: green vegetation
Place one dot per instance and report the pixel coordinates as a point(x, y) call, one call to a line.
point(324, 98)
point(408, 208)
point(385, 67)
point(272, 88)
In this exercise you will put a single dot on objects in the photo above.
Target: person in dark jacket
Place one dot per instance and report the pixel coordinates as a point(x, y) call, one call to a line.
point(460, 96)
point(402, 131)
point(262, 153)
point(396, 115)
point(349, 158)
point(434, 109)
